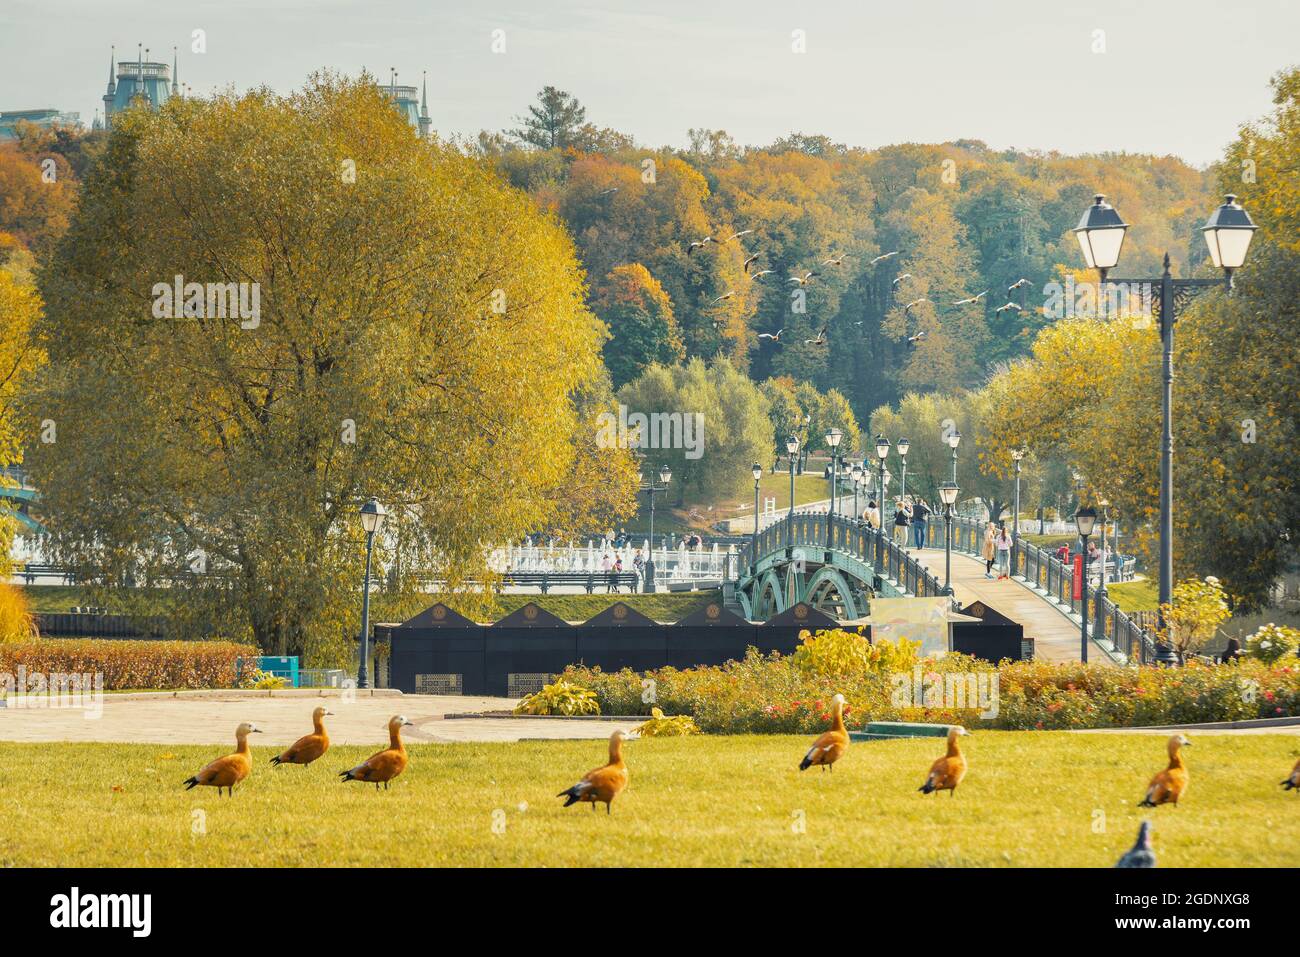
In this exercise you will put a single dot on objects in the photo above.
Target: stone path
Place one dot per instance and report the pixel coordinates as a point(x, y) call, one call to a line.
point(1056, 637)
point(211, 718)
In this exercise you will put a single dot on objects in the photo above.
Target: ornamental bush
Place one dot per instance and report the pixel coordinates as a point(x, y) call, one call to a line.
point(1272, 643)
point(130, 664)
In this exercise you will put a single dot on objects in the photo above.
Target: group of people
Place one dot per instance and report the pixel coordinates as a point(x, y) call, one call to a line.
point(997, 548)
point(910, 514)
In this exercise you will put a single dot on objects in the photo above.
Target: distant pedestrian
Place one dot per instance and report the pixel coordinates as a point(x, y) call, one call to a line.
point(872, 514)
point(920, 523)
point(990, 549)
point(1003, 544)
point(902, 519)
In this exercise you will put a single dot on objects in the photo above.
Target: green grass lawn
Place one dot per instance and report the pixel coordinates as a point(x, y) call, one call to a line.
point(1134, 596)
point(660, 607)
point(1030, 799)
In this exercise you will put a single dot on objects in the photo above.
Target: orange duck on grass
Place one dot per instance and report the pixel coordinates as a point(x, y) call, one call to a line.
point(830, 747)
point(1171, 783)
point(947, 772)
point(310, 746)
point(604, 783)
point(226, 772)
point(382, 766)
point(1292, 783)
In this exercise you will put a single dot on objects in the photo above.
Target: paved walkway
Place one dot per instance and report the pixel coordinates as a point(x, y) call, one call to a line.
point(211, 719)
point(1056, 637)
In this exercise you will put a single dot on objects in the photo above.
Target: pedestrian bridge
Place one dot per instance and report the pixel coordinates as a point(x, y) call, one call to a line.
point(837, 564)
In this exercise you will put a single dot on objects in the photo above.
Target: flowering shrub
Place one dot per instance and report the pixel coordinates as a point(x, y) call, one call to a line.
point(259, 680)
point(1198, 609)
point(770, 694)
point(835, 652)
point(130, 664)
point(1272, 643)
point(661, 727)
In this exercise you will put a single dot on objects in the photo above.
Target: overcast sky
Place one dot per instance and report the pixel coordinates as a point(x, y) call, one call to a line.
point(1177, 76)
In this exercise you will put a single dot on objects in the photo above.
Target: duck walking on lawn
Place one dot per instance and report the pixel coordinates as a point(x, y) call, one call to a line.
point(830, 747)
point(1170, 784)
point(1292, 783)
point(227, 771)
point(382, 766)
point(947, 772)
point(310, 746)
point(604, 783)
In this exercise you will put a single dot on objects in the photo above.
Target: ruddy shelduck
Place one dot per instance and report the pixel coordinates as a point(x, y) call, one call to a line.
point(1171, 783)
point(1292, 783)
point(603, 783)
point(228, 771)
point(310, 746)
point(382, 766)
point(830, 747)
point(947, 772)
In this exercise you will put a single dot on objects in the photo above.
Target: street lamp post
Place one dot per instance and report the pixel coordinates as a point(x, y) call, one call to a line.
point(1100, 628)
point(792, 447)
point(665, 476)
point(833, 440)
point(948, 495)
point(372, 520)
point(1085, 519)
point(1016, 456)
point(882, 453)
point(857, 474)
point(954, 440)
point(1227, 233)
point(903, 447)
point(757, 470)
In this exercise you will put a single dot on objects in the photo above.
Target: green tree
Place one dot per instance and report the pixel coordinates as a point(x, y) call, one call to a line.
point(555, 121)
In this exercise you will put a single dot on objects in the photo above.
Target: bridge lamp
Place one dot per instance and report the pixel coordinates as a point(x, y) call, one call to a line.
point(372, 520)
point(948, 495)
point(954, 440)
point(757, 470)
point(665, 475)
point(1085, 520)
point(1228, 232)
point(904, 446)
point(1101, 235)
point(882, 447)
point(833, 438)
point(792, 444)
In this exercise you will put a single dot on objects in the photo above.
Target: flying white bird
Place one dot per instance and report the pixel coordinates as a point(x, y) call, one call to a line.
point(834, 260)
point(761, 273)
point(882, 257)
point(918, 337)
point(733, 236)
point(820, 340)
point(914, 302)
point(726, 295)
point(751, 260)
point(606, 192)
point(906, 275)
point(967, 302)
point(1010, 305)
point(775, 337)
point(700, 244)
point(1017, 285)
point(803, 280)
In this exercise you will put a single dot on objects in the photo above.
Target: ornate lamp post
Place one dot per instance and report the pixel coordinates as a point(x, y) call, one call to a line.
point(1085, 519)
point(1227, 233)
point(833, 437)
point(904, 446)
point(757, 470)
point(665, 476)
point(792, 447)
point(882, 453)
point(372, 520)
point(1100, 628)
point(954, 440)
point(948, 495)
point(857, 475)
point(1016, 456)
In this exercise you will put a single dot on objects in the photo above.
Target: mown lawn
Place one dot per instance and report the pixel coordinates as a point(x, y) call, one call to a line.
point(1030, 799)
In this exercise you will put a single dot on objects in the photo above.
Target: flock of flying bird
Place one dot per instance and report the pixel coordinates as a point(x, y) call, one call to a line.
point(603, 784)
point(806, 277)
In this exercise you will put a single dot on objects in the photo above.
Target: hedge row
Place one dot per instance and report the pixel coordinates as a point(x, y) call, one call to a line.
point(130, 664)
point(773, 695)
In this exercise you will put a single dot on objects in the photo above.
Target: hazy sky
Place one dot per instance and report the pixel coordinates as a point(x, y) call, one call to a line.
point(1177, 76)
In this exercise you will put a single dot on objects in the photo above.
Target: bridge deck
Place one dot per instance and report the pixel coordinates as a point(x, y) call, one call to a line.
point(1056, 638)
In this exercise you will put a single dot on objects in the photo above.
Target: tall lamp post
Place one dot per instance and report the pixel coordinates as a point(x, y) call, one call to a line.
point(1227, 233)
point(904, 446)
point(1085, 519)
point(665, 476)
point(372, 520)
point(857, 474)
point(792, 447)
point(954, 440)
point(948, 495)
point(1016, 456)
point(757, 470)
point(882, 453)
point(833, 437)
point(1100, 628)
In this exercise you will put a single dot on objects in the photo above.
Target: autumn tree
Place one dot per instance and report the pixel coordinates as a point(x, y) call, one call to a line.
point(553, 122)
point(418, 335)
point(19, 358)
point(641, 324)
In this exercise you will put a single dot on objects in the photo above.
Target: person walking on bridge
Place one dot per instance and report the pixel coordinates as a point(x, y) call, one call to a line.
point(990, 552)
point(1003, 545)
point(920, 526)
point(902, 519)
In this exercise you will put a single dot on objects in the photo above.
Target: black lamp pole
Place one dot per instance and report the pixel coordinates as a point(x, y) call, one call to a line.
point(1085, 519)
point(372, 520)
point(1227, 233)
point(753, 548)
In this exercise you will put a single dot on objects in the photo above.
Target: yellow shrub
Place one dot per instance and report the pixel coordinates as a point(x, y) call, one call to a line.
point(560, 698)
point(660, 727)
point(836, 652)
point(16, 622)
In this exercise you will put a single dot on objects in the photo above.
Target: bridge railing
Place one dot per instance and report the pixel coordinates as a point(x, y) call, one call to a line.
point(811, 532)
point(1049, 574)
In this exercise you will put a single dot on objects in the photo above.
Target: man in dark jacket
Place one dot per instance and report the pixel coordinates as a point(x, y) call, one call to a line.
point(920, 526)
